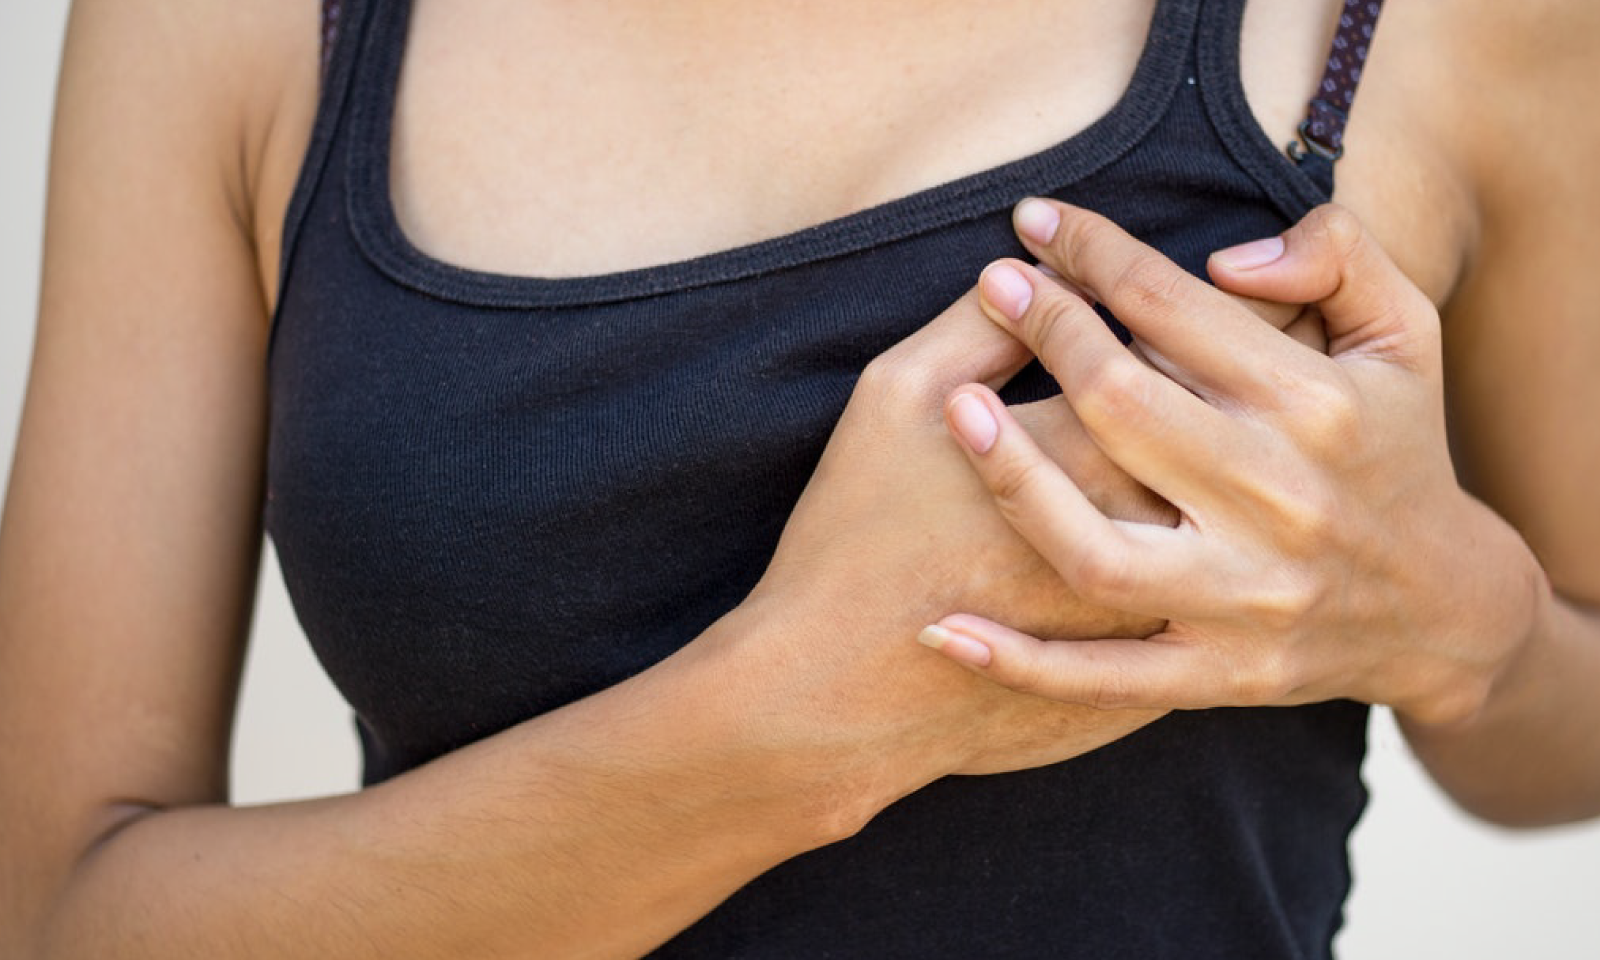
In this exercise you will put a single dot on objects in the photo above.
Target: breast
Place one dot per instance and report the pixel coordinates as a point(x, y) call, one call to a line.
point(483, 514)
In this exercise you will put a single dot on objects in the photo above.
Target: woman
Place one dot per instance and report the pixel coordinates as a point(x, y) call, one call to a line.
point(587, 496)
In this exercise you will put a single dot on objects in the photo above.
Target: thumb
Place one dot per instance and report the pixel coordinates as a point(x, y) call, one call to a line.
point(1368, 305)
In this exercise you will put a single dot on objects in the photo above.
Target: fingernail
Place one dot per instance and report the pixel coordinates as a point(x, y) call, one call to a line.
point(1249, 256)
point(1006, 290)
point(1037, 220)
point(973, 423)
point(956, 647)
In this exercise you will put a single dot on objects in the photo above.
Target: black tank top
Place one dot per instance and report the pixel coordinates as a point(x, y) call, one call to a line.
point(493, 495)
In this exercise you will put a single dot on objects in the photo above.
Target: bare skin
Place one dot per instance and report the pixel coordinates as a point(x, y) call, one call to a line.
point(1326, 549)
point(182, 124)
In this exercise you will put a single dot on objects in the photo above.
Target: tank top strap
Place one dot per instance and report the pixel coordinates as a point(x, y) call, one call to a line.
point(1292, 189)
point(1303, 176)
point(344, 22)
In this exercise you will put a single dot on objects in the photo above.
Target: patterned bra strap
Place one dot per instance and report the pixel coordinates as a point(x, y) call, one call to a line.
point(1322, 131)
point(331, 9)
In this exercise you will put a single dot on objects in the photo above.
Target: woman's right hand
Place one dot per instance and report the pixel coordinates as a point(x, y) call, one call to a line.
point(893, 531)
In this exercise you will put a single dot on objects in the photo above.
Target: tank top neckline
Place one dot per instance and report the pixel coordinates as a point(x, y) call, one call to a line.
point(1157, 76)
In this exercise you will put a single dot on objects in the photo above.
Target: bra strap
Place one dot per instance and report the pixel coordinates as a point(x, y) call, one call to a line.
point(331, 10)
point(1322, 131)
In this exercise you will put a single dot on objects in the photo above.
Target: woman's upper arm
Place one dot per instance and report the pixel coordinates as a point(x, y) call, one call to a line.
point(1522, 333)
point(131, 536)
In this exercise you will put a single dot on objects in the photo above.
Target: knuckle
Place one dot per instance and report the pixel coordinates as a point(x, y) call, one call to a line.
point(1103, 577)
point(1114, 391)
point(1421, 317)
point(1327, 414)
point(1013, 480)
point(1112, 689)
point(1148, 284)
point(1340, 229)
point(1045, 325)
point(1263, 678)
point(1306, 519)
point(892, 381)
point(1077, 236)
point(1024, 674)
point(1282, 607)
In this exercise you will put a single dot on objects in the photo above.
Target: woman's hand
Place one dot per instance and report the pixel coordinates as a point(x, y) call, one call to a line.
point(893, 530)
point(1324, 549)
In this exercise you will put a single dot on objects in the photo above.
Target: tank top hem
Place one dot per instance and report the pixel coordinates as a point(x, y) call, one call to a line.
point(1290, 187)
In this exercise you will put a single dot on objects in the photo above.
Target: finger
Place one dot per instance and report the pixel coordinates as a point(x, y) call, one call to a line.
point(1206, 342)
point(1298, 322)
point(1161, 434)
point(1280, 315)
point(1162, 672)
point(1308, 330)
point(1061, 437)
point(961, 345)
point(1150, 569)
point(1305, 330)
point(1368, 304)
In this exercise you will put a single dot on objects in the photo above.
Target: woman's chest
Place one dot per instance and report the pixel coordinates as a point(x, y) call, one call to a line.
point(553, 139)
point(499, 474)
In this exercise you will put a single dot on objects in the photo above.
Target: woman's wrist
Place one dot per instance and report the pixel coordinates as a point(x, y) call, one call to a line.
point(824, 774)
point(1527, 755)
point(1503, 614)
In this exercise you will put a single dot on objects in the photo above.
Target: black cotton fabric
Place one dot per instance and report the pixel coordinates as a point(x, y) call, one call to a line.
point(493, 495)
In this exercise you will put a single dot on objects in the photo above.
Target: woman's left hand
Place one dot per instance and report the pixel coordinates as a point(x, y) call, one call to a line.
point(1325, 549)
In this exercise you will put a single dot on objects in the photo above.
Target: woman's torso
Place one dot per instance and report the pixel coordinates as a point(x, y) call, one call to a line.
point(460, 451)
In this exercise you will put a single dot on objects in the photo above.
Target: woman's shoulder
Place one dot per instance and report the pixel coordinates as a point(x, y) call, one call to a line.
point(1464, 113)
point(232, 83)
point(1491, 79)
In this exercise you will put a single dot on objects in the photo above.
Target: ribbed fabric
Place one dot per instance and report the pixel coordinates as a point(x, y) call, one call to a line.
point(493, 495)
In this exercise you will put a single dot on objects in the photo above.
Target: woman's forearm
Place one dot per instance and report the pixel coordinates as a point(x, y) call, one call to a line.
point(1531, 756)
point(596, 830)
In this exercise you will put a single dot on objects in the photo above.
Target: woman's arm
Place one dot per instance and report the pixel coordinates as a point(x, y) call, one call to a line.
point(1522, 384)
point(129, 547)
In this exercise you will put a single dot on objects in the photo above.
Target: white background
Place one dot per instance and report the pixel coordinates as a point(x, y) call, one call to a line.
point(1428, 882)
